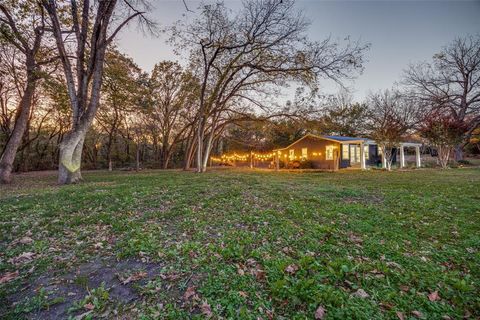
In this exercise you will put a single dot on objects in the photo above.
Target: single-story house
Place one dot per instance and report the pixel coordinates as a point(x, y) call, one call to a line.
point(336, 152)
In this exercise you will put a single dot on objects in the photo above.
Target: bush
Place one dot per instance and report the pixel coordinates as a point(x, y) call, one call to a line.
point(464, 162)
point(307, 164)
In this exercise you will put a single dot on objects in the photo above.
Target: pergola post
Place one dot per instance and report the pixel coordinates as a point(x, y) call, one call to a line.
point(362, 157)
point(402, 156)
point(277, 161)
point(417, 156)
point(251, 160)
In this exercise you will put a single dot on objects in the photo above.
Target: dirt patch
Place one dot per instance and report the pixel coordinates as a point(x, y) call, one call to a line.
point(63, 290)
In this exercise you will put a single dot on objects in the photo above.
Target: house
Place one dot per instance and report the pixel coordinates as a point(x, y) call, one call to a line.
point(336, 152)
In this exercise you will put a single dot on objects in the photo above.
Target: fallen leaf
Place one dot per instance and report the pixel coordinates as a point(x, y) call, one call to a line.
point(291, 269)
point(190, 292)
point(206, 309)
point(404, 288)
point(417, 314)
point(83, 315)
point(400, 315)
point(355, 239)
point(258, 273)
point(360, 293)
point(26, 240)
point(9, 276)
point(134, 277)
point(23, 258)
point(320, 313)
point(243, 294)
point(89, 306)
point(434, 296)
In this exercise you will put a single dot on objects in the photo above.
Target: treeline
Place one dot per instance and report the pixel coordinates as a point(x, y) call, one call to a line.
point(69, 99)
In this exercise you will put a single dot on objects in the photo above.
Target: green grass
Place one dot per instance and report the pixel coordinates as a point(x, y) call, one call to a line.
point(399, 236)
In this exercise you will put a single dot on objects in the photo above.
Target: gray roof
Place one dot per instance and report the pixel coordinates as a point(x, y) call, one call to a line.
point(342, 138)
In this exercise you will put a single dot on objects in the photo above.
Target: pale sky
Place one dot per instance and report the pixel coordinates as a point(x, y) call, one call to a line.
point(400, 32)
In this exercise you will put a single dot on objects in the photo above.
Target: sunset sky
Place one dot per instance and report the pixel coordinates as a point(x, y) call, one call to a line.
point(400, 32)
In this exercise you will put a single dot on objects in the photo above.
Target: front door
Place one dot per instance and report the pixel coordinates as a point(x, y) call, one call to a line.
point(354, 154)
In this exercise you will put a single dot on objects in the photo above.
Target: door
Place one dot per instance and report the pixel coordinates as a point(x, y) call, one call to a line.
point(354, 154)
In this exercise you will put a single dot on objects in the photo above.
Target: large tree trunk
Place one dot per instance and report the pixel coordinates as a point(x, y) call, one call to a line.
point(71, 157)
point(458, 152)
point(200, 135)
point(208, 148)
point(8, 155)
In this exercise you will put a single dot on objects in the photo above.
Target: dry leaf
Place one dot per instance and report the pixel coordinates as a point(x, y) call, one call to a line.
point(135, 277)
point(320, 313)
point(26, 240)
point(89, 306)
point(206, 309)
point(291, 269)
point(400, 315)
point(23, 258)
point(360, 293)
point(243, 294)
point(258, 273)
point(9, 276)
point(189, 293)
point(417, 314)
point(434, 296)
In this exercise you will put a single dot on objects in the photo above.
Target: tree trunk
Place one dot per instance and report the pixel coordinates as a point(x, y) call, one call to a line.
point(458, 152)
point(208, 148)
point(200, 135)
point(8, 155)
point(137, 158)
point(70, 158)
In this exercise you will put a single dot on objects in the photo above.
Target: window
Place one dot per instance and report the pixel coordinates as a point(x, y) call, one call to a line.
point(345, 153)
point(291, 154)
point(366, 150)
point(304, 153)
point(329, 153)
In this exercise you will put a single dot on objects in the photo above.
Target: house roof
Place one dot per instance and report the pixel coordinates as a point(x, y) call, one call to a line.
point(347, 139)
point(339, 139)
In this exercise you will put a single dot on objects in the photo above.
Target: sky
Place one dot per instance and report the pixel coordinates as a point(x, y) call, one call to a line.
point(400, 33)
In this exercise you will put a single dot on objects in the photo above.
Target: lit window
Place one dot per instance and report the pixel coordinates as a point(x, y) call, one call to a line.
point(304, 153)
point(345, 153)
point(292, 154)
point(329, 153)
point(365, 149)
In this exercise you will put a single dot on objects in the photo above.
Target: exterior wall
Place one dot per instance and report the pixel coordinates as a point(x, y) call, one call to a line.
point(319, 161)
point(316, 152)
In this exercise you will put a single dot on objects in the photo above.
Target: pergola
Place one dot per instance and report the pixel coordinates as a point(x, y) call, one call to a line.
point(402, 145)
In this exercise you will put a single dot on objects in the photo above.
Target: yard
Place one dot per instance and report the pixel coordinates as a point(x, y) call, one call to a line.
point(242, 244)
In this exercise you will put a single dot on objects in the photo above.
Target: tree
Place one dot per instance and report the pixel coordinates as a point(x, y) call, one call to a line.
point(173, 92)
point(22, 26)
point(119, 96)
point(344, 117)
point(451, 83)
point(391, 116)
point(444, 133)
point(241, 57)
point(83, 57)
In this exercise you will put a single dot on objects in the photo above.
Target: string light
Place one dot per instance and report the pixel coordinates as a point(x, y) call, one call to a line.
point(244, 157)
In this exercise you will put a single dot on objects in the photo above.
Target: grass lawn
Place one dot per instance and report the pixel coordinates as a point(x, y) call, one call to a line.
point(242, 245)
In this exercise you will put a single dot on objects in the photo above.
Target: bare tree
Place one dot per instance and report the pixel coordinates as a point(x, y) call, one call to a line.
point(239, 56)
point(174, 91)
point(93, 28)
point(22, 26)
point(391, 116)
point(451, 83)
